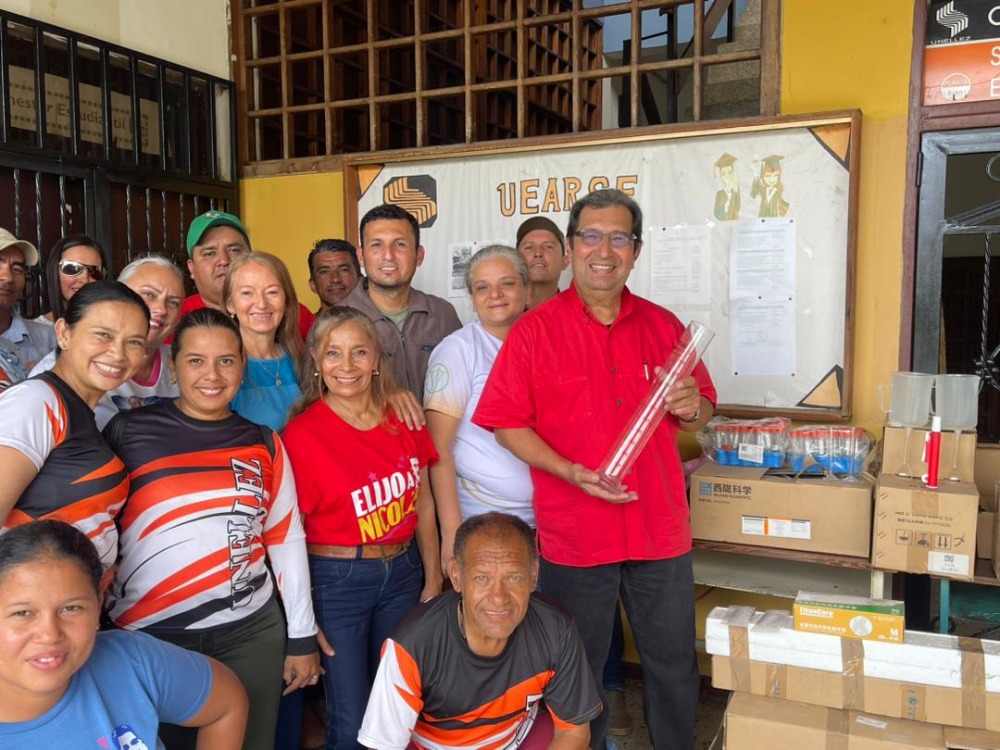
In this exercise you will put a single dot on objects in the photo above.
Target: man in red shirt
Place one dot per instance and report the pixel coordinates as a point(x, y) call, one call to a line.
point(566, 382)
point(214, 240)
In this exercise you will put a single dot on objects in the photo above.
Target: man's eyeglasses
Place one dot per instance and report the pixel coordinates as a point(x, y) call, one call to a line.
point(593, 238)
point(73, 268)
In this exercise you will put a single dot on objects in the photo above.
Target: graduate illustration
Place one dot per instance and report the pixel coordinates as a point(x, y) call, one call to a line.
point(727, 200)
point(767, 184)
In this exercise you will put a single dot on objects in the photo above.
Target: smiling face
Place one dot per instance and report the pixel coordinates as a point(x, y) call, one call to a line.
point(544, 255)
point(257, 299)
point(333, 277)
point(103, 349)
point(163, 292)
point(13, 276)
point(210, 259)
point(389, 254)
point(68, 285)
point(498, 293)
point(49, 613)
point(601, 271)
point(347, 361)
point(495, 578)
point(208, 369)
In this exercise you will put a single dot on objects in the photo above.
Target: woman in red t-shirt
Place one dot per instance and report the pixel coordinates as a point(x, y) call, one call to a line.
point(361, 477)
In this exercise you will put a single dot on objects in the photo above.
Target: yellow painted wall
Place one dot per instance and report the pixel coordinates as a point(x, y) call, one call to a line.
point(855, 54)
point(286, 215)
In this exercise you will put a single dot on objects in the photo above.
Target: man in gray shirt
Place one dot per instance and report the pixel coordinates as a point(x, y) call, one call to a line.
point(410, 323)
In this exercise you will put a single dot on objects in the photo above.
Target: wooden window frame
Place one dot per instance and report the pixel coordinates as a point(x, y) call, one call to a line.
point(474, 26)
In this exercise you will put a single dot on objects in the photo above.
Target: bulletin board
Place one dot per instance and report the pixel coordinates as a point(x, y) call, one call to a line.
point(749, 228)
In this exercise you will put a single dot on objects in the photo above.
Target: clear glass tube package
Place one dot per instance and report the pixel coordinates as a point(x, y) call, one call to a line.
point(681, 363)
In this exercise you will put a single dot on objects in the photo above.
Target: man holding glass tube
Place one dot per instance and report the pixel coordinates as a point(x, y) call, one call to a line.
point(565, 383)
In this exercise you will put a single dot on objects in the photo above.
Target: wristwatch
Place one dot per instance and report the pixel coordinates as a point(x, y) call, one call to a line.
point(695, 418)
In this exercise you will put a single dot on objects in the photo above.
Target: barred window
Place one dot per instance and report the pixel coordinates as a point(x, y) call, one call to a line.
point(319, 78)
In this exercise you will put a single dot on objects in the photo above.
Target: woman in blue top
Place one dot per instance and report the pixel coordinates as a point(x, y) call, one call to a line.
point(259, 294)
point(66, 685)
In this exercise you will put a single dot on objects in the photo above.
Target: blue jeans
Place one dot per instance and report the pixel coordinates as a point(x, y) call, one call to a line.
point(358, 604)
point(659, 600)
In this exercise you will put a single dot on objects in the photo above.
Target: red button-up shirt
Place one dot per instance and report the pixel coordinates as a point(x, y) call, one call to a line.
point(576, 382)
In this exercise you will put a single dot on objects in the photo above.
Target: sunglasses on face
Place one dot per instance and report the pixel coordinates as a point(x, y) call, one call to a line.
point(72, 268)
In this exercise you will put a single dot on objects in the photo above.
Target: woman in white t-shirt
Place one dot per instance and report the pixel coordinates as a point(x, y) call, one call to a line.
point(475, 474)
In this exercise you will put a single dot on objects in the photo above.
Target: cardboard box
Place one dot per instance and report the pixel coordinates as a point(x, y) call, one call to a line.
point(756, 723)
point(891, 698)
point(739, 504)
point(984, 534)
point(895, 438)
point(918, 530)
point(959, 738)
point(987, 474)
point(849, 616)
point(930, 677)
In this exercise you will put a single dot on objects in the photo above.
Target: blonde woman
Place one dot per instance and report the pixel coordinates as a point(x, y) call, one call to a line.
point(259, 295)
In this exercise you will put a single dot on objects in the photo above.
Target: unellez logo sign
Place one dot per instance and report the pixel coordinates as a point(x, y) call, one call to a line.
point(955, 21)
point(417, 194)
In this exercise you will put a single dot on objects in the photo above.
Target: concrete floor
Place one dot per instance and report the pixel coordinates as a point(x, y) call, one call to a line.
point(711, 707)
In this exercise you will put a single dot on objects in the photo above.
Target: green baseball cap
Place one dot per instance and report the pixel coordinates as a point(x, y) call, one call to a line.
point(207, 221)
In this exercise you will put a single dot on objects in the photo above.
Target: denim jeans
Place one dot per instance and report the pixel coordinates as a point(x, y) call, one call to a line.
point(659, 600)
point(358, 603)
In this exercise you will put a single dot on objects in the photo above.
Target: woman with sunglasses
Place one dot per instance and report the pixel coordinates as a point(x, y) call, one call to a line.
point(67, 685)
point(211, 513)
point(73, 263)
point(160, 284)
point(54, 461)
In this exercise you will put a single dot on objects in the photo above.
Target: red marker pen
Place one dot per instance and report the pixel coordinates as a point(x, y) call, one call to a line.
point(932, 454)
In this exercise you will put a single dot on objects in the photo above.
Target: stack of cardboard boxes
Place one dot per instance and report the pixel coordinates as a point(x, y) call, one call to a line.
point(808, 689)
point(807, 681)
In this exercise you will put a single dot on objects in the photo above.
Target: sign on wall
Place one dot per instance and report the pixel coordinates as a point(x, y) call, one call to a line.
point(749, 230)
point(57, 111)
point(962, 54)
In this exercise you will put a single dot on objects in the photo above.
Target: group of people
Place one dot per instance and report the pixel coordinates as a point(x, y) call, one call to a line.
point(287, 493)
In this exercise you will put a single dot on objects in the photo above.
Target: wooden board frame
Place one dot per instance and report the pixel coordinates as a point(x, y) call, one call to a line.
point(850, 120)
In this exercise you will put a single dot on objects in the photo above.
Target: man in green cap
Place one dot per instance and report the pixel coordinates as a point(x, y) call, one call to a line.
point(214, 240)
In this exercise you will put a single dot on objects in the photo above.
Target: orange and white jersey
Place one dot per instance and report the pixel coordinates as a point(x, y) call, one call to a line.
point(431, 690)
point(209, 500)
point(80, 480)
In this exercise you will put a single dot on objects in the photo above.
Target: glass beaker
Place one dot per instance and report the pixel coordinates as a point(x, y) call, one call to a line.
point(909, 407)
point(956, 401)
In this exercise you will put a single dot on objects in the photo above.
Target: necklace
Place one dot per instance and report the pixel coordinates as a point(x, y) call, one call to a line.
point(461, 622)
point(276, 375)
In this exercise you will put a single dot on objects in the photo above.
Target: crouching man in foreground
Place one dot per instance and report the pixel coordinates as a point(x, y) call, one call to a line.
point(485, 665)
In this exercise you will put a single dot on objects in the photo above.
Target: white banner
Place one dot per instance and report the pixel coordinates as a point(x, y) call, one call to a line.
point(693, 191)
